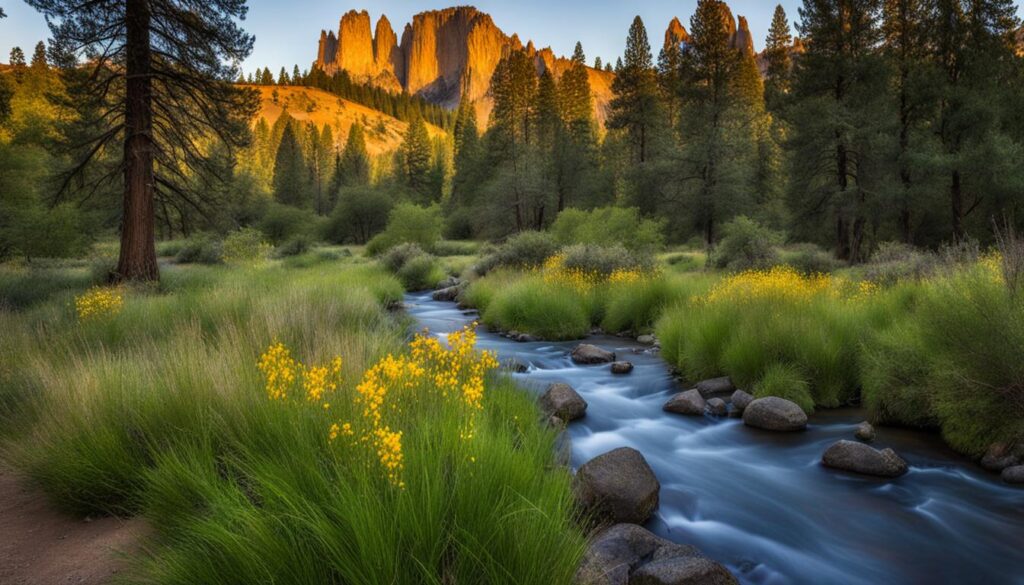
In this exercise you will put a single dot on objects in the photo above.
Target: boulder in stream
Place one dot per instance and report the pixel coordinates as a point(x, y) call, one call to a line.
point(516, 366)
point(627, 554)
point(718, 407)
point(646, 339)
point(562, 401)
point(617, 486)
point(586, 353)
point(1014, 474)
point(772, 413)
point(715, 386)
point(448, 294)
point(622, 367)
point(689, 402)
point(999, 456)
point(861, 458)
point(740, 401)
point(865, 432)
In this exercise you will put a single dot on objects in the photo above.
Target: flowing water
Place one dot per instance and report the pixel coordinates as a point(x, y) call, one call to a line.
point(760, 502)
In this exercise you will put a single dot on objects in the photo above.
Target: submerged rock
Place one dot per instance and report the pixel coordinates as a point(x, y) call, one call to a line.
point(861, 458)
point(525, 338)
point(562, 401)
point(715, 386)
point(718, 407)
point(689, 402)
point(448, 294)
point(646, 339)
point(772, 413)
point(998, 457)
point(627, 554)
point(865, 432)
point(740, 401)
point(1014, 475)
point(622, 367)
point(514, 365)
point(618, 486)
point(586, 353)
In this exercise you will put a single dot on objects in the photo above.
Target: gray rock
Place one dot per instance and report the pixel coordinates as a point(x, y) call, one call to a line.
point(709, 388)
point(622, 367)
point(586, 353)
point(562, 401)
point(647, 339)
point(861, 458)
point(514, 365)
point(998, 457)
point(618, 486)
point(449, 282)
point(689, 402)
point(512, 334)
point(525, 338)
point(772, 413)
point(740, 401)
point(1014, 475)
point(718, 407)
point(865, 432)
point(626, 554)
point(448, 294)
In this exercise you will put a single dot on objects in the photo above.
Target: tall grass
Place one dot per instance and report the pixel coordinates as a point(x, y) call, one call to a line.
point(159, 410)
point(531, 305)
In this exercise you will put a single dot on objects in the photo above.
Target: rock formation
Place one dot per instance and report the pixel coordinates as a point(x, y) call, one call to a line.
point(442, 54)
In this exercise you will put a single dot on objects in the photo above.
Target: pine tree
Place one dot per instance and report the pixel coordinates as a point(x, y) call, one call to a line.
point(635, 105)
point(414, 155)
point(597, 63)
point(465, 183)
point(776, 54)
point(321, 167)
point(669, 69)
point(290, 171)
point(839, 92)
point(354, 169)
point(296, 75)
point(164, 89)
point(39, 56)
point(17, 61)
point(576, 142)
point(546, 111)
point(282, 78)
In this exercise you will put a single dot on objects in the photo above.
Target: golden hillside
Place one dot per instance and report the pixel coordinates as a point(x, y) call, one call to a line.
point(383, 132)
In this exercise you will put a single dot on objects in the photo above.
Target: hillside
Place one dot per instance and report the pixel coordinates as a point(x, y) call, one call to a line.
point(383, 132)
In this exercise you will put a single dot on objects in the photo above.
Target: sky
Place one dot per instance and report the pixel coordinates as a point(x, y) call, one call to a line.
point(287, 32)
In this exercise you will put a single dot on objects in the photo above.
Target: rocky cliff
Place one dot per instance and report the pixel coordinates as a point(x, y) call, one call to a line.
point(442, 54)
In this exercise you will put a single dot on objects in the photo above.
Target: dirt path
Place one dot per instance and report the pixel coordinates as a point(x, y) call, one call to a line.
point(42, 546)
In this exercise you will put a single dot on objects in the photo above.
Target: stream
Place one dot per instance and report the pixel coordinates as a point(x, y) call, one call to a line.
point(760, 502)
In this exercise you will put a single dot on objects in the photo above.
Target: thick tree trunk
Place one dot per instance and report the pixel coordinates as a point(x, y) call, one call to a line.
point(138, 248)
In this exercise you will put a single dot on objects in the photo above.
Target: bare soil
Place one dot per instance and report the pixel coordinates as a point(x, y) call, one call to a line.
point(40, 545)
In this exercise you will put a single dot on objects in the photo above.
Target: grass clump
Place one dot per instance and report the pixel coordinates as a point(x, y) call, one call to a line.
point(523, 251)
point(201, 249)
point(531, 305)
point(785, 381)
point(416, 269)
point(409, 224)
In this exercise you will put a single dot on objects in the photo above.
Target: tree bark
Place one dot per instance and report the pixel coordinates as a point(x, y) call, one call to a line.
point(137, 260)
point(956, 197)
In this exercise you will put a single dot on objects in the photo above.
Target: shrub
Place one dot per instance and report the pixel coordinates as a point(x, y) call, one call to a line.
point(896, 377)
point(297, 245)
point(283, 222)
point(894, 262)
point(604, 260)
point(746, 245)
point(415, 268)
point(396, 257)
point(200, 249)
point(810, 259)
point(244, 246)
point(361, 213)
point(533, 306)
point(785, 381)
point(609, 226)
point(409, 223)
point(636, 306)
point(456, 248)
point(169, 248)
point(523, 250)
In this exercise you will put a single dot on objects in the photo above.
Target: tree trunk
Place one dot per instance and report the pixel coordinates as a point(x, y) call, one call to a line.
point(956, 197)
point(905, 178)
point(138, 248)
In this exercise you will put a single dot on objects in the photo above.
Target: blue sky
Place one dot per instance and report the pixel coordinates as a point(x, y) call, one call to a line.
point(287, 32)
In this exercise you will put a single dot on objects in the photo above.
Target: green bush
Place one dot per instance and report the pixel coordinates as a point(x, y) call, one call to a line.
point(609, 226)
point(604, 260)
point(810, 259)
point(746, 245)
point(361, 213)
point(530, 305)
point(409, 224)
point(523, 250)
point(416, 269)
point(245, 246)
point(169, 248)
point(785, 381)
point(283, 222)
point(896, 377)
point(297, 245)
point(200, 249)
point(456, 248)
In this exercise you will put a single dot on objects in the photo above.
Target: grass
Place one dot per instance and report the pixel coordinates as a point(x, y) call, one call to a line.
point(160, 410)
point(533, 306)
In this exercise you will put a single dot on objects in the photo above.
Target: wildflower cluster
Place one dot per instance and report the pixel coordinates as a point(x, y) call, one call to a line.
point(783, 283)
point(555, 271)
point(282, 374)
point(430, 374)
point(99, 302)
